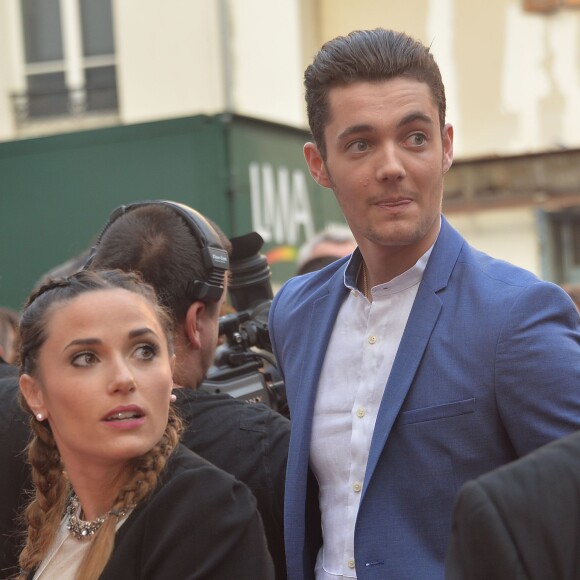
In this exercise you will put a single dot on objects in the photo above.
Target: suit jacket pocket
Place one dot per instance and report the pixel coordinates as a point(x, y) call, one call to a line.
point(443, 411)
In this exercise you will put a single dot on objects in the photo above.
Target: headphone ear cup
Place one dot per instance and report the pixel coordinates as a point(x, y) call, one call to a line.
point(199, 290)
point(215, 257)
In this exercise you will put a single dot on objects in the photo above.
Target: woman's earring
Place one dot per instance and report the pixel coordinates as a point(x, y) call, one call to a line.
point(39, 416)
point(173, 398)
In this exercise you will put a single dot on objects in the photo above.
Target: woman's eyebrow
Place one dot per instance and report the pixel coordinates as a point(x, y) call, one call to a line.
point(141, 331)
point(83, 342)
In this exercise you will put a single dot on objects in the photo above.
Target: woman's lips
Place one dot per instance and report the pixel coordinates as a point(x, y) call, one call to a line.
point(125, 417)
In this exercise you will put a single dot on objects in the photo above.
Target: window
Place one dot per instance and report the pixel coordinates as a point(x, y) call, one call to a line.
point(69, 54)
point(563, 247)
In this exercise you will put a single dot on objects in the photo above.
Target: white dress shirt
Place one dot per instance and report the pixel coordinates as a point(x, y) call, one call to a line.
point(355, 371)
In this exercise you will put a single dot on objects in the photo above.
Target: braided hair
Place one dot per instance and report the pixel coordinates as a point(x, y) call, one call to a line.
point(44, 513)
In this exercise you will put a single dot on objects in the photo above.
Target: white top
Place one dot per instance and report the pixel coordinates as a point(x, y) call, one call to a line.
point(64, 557)
point(357, 365)
point(66, 553)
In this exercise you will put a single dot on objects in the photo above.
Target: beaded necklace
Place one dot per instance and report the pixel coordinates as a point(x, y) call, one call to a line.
point(83, 530)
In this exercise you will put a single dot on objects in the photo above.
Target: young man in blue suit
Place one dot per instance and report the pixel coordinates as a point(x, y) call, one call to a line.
point(418, 362)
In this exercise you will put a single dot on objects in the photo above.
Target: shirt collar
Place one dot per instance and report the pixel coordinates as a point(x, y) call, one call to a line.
point(409, 277)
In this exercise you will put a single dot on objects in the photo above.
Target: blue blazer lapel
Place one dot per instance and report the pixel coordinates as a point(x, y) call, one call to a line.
point(317, 330)
point(317, 323)
point(422, 321)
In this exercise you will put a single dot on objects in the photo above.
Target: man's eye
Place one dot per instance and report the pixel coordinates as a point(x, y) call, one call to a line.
point(358, 146)
point(84, 359)
point(418, 139)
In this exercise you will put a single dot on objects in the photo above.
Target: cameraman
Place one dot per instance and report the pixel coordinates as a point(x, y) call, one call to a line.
point(250, 441)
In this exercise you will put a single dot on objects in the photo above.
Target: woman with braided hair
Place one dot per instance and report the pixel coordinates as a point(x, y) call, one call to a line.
point(116, 495)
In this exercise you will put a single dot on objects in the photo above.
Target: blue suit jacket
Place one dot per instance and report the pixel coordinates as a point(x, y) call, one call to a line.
point(488, 369)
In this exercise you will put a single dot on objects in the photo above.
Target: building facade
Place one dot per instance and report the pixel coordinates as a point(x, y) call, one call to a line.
point(511, 69)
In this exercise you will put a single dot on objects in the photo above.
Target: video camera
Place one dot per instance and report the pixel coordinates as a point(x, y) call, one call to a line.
point(244, 366)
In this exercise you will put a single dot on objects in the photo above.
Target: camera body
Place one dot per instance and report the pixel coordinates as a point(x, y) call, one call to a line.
point(244, 366)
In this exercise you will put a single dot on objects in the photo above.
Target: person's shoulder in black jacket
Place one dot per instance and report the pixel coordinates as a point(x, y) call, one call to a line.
point(15, 479)
point(7, 370)
point(521, 520)
point(199, 523)
point(248, 440)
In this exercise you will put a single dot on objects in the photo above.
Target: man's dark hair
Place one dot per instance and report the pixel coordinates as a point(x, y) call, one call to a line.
point(367, 55)
point(155, 241)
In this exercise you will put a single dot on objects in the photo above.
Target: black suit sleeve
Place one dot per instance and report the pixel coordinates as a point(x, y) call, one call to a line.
point(481, 547)
point(522, 520)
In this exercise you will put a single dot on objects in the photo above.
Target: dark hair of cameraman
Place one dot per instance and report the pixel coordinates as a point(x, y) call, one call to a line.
point(155, 241)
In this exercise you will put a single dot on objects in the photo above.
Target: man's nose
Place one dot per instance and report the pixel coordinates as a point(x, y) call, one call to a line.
point(390, 164)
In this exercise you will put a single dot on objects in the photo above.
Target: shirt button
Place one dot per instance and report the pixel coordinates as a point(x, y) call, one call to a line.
point(360, 413)
point(354, 292)
point(357, 487)
point(372, 339)
point(350, 563)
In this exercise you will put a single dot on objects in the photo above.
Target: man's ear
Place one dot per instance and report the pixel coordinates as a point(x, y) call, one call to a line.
point(447, 147)
point(316, 165)
point(193, 322)
point(33, 394)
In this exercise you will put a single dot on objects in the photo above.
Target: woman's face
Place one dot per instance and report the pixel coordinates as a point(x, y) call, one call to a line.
point(104, 378)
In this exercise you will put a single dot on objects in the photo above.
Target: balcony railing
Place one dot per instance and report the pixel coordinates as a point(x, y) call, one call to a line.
point(40, 105)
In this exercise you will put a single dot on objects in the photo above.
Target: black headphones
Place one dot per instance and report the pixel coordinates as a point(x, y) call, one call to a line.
point(214, 256)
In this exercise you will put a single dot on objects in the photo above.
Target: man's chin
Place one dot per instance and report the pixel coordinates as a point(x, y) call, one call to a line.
point(399, 235)
point(403, 232)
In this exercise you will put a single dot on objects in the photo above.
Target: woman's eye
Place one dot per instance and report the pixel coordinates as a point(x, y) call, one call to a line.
point(84, 359)
point(146, 351)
